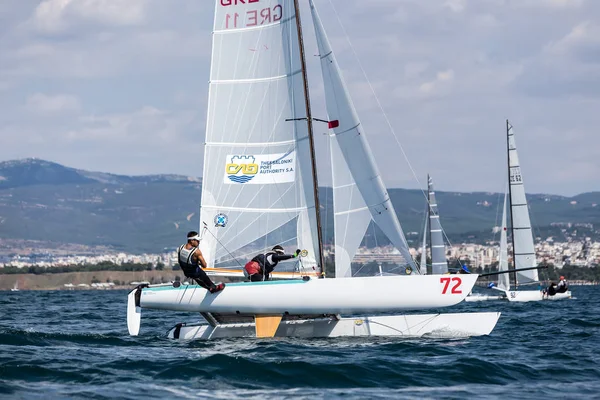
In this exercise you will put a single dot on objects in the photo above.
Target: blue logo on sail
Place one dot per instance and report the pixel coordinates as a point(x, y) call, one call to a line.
point(220, 220)
point(241, 169)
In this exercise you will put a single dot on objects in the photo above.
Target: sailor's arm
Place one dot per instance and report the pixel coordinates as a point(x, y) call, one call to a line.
point(200, 258)
point(283, 257)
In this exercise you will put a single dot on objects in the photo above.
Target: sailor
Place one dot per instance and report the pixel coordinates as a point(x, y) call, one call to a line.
point(191, 262)
point(261, 266)
point(562, 286)
point(551, 291)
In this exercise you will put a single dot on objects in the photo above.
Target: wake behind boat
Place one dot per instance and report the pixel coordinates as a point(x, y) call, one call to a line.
point(260, 188)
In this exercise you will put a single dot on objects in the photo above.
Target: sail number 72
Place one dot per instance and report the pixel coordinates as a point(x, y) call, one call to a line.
point(455, 288)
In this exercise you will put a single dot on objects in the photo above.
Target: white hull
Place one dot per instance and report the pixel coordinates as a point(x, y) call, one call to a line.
point(519, 296)
point(457, 325)
point(316, 296)
point(524, 296)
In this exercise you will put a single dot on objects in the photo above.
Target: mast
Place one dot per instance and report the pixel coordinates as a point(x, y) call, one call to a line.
point(428, 215)
point(512, 232)
point(310, 138)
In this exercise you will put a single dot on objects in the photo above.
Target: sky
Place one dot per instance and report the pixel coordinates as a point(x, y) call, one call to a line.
point(121, 86)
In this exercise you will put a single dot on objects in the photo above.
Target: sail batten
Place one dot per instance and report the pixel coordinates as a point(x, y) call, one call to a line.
point(254, 80)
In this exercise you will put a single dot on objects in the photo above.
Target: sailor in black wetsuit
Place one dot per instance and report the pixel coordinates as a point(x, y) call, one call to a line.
point(191, 262)
point(261, 266)
point(562, 286)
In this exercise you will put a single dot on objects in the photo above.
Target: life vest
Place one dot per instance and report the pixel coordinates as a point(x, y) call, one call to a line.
point(266, 262)
point(562, 286)
point(186, 261)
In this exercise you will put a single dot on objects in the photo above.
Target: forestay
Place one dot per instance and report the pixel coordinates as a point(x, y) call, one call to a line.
point(523, 247)
point(258, 185)
point(358, 188)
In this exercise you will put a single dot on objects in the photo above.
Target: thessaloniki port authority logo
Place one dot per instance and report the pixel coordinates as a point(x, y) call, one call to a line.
point(241, 169)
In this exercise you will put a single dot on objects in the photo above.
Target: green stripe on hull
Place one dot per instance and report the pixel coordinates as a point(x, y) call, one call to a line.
point(193, 287)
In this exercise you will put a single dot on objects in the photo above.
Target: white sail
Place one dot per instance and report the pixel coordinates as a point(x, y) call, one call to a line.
point(439, 264)
point(423, 261)
point(523, 247)
point(258, 186)
point(503, 279)
point(351, 214)
point(357, 158)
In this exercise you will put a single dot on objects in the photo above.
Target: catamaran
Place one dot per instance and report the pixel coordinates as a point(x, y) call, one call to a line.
point(260, 189)
point(524, 257)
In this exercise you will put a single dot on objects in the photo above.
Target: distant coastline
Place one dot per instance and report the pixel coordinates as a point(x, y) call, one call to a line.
point(120, 279)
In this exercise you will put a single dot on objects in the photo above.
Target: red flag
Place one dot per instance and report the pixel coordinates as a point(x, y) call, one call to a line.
point(333, 124)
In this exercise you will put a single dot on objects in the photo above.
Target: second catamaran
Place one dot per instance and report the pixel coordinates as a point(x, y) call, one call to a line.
point(524, 256)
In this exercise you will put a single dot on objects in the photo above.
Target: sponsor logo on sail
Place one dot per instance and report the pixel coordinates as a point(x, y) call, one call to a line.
point(241, 169)
point(263, 169)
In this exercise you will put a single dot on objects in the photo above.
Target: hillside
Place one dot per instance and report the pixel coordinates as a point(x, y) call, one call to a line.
point(45, 201)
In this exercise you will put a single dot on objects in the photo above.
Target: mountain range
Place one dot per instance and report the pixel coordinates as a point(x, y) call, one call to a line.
point(49, 202)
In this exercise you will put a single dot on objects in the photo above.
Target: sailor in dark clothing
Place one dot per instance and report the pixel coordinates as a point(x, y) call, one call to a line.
point(551, 290)
point(261, 266)
point(562, 286)
point(191, 262)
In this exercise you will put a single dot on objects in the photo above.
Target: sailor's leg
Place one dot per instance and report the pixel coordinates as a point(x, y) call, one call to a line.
point(203, 279)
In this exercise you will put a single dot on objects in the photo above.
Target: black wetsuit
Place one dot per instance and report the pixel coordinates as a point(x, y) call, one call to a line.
point(267, 263)
point(562, 287)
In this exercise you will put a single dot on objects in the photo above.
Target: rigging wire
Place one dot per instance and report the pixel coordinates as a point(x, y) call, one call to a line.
point(379, 104)
point(392, 130)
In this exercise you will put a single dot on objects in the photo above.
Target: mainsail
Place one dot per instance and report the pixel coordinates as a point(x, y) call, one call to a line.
point(359, 191)
point(522, 237)
point(423, 260)
point(503, 279)
point(258, 184)
point(439, 264)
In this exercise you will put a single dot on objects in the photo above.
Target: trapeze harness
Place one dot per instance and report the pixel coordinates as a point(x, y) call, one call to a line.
point(562, 286)
point(192, 269)
point(186, 261)
point(264, 264)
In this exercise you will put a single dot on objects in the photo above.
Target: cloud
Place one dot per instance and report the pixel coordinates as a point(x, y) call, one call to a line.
point(456, 5)
point(125, 84)
point(442, 79)
point(50, 104)
point(55, 16)
point(582, 42)
point(550, 4)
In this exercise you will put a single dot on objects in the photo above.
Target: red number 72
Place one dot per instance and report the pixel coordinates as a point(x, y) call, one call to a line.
point(446, 281)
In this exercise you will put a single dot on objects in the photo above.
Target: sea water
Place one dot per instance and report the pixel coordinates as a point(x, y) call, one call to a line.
point(74, 344)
